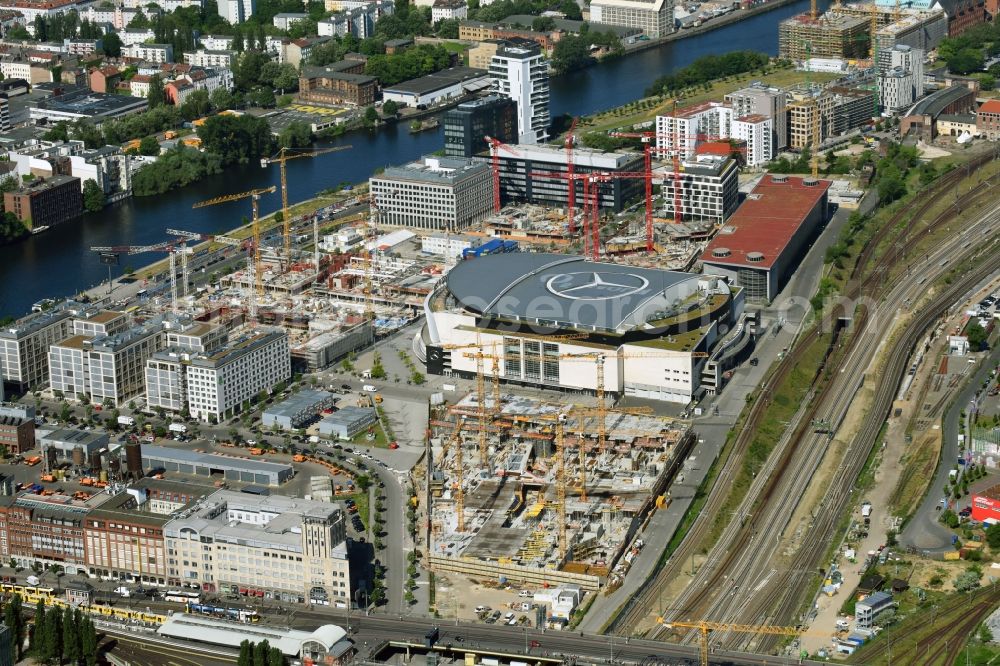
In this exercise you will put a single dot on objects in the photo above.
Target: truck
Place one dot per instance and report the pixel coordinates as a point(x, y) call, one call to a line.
point(177, 427)
point(298, 457)
point(368, 388)
point(123, 592)
point(32, 461)
point(126, 421)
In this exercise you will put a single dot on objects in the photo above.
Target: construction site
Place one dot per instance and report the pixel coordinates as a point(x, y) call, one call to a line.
point(546, 493)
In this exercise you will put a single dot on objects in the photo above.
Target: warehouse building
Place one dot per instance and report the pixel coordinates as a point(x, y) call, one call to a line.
point(520, 178)
point(64, 443)
point(654, 17)
point(229, 468)
point(297, 410)
point(435, 193)
point(709, 188)
point(762, 244)
point(437, 87)
point(347, 422)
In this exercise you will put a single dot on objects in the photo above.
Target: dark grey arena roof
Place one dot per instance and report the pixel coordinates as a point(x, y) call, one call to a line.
point(565, 291)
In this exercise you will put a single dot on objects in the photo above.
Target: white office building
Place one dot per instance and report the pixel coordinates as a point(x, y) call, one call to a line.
point(654, 17)
point(217, 384)
point(759, 99)
point(104, 367)
point(709, 188)
point(756, 131)
point(435, 193)
point(270, 546)
point(685, 129)
point(448, 245)
point(24, 346)
point(521, 73)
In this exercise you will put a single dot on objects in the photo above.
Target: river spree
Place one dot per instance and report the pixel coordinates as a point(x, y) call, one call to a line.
point(59, 262)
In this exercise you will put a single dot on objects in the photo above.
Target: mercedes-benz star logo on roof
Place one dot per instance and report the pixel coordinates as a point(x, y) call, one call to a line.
point(595, 286)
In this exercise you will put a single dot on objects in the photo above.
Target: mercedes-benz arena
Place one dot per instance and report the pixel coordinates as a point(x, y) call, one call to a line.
point(544, 319)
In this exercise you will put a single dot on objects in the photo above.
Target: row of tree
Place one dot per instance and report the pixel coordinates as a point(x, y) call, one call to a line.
point(708, 68)
point(61, 636)
point(259, 654)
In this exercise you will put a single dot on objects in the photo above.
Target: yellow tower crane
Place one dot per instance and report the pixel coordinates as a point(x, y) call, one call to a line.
point(256, 270)
point(561, 486)
point(459, 480)
point(284, 155)
point(703, 627)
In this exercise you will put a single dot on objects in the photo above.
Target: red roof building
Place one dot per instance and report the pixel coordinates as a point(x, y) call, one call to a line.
point(986, 505)
point(988, 120)
point(763, 242)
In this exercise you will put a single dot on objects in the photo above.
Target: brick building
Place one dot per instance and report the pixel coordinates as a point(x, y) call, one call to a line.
point(17, 434)
point(126, 543)
point(46, 201)
point(323, 85)
point(988, 120)
point(48, 530)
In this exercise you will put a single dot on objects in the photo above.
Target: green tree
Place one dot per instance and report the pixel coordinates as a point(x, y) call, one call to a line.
point(260, 653)
point(88, 641)
point(39, 631)
point(543, 24)
point(390, 109)
point(111, 45)
point(246, 654)
point(70, 637)
point(236, 138)
point(221, 99)
point(93, 196)
point(197, 104)
point(976, 334)
point(275, 657)
point(448, 29)
point(370, 117)
point(157, 95)
point(149, 146)
point(295, 135)
point(14, 620)
point(363, 482)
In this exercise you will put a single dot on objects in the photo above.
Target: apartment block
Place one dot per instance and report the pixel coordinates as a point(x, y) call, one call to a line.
point(654, 17)
point(756, 131)
point(832, 35)
point(902, 82)
point(124, 542)
point(24, 346)
point(105, 367)
point(236, 11)
point(684, 129)
point(434, 193)
point(211, 58)
point(520, 72)
point(766, 101)
point(261, 546)
point(708, 186)
point(149, 52)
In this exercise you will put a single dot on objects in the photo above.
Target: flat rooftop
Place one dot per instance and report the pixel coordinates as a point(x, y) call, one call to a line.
point(434, 170)
point(437, 81)
point(760, 229)
point(213, 460)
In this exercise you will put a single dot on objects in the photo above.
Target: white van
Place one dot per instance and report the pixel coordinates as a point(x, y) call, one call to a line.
point(368, 388)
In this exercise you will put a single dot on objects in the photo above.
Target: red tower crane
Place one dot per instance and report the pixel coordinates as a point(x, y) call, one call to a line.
point(571, 194)
point(571, 179)
point(496, 145)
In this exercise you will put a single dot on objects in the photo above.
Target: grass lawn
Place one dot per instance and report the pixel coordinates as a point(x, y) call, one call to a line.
point(361, 500)
point(380, 440)
point(633, 113)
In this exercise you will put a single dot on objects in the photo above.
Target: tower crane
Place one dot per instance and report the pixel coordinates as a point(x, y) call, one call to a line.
point(571, 192)
point(170, 247)
point(257, 272)
point(222, 240)
point(704, 626)
point(284, 155)
point(496, 145)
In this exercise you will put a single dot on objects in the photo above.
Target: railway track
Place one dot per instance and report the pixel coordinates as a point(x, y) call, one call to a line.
point(642, 604)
